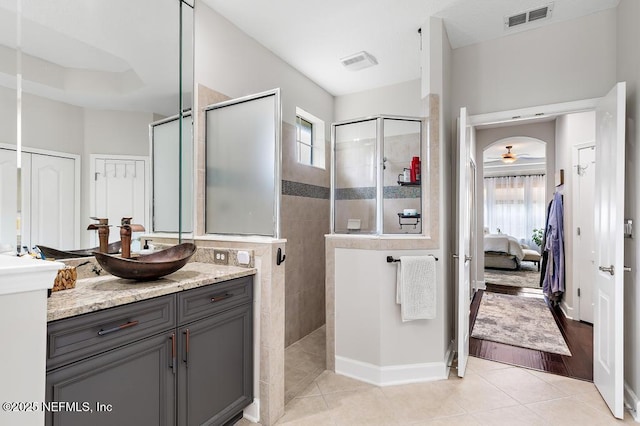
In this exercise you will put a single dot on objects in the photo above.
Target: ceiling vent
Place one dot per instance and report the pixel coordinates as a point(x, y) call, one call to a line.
point(531, 15)
point(359, 61)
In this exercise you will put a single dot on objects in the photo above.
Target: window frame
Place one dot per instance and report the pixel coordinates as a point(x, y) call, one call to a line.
point(317, 146)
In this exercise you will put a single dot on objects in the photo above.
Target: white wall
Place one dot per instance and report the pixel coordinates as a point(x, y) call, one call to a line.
point(110, 132)
point(628, 64)
point(7, 116)
point(571, 130)
point(365, 290)
point(229, 61)
point(48, 124)
point(57, 126)
point(561, 62)
point(447, 143)
point(397, 99)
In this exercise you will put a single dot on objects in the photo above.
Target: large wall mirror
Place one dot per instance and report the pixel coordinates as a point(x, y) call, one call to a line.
point(80, 85)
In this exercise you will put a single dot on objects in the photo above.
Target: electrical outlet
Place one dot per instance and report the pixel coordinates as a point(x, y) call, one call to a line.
point(221, 257)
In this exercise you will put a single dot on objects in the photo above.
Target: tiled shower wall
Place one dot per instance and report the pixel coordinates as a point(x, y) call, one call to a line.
point(304, 221)
point(356, 181)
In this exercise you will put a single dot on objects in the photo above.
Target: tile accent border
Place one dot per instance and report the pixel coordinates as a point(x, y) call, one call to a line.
point(299, 189)
point(369, 193)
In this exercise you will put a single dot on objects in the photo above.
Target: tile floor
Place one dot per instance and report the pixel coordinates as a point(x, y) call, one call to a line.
point(491, 394)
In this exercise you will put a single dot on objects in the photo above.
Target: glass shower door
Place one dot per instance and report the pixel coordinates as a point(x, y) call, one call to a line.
point(243, 166)
point(355, 177)
point(402, 201)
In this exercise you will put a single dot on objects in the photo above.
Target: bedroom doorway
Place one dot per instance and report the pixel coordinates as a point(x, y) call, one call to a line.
point(514, 187)
point(608, 130)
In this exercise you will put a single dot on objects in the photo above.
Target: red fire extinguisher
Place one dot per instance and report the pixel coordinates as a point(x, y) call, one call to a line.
point(415, 170)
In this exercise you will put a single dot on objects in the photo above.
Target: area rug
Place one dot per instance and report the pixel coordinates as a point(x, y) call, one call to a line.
point(518, 321)
point(526, 276)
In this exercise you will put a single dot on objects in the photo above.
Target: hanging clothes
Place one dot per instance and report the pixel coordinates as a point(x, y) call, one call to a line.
point(553, 269)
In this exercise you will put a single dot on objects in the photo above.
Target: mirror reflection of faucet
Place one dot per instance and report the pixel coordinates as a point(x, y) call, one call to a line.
point(103, 232)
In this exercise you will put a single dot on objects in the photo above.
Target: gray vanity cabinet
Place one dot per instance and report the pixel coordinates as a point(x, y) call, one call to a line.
point(215, 375)
point(184, 358)
point(215, 346)
point(132, 385)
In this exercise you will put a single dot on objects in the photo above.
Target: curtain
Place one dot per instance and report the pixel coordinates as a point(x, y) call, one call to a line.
point(515, 205)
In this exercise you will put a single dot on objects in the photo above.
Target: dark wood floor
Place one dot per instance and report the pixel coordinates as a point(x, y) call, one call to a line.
point(579, 337)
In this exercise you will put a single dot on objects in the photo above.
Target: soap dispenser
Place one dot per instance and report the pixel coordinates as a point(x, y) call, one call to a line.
point(146, 249)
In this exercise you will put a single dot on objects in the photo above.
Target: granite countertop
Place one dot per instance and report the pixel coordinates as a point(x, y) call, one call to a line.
point(107, 291)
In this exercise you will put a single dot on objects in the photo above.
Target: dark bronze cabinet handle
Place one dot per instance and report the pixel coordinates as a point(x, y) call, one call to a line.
point(102, 332)
point(173, 352)
point(219, 297)
point(185, 358)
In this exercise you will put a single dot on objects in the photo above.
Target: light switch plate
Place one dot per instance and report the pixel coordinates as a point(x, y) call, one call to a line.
point(243, 257)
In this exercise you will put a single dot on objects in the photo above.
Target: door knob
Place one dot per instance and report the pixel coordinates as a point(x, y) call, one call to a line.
point(607, 269)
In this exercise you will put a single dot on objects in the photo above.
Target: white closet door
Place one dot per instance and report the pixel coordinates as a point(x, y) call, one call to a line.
point(120, 192)
point(8, 198)
point(52, 202)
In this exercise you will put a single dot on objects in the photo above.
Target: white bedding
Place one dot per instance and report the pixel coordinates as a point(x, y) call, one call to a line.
point(502, 243)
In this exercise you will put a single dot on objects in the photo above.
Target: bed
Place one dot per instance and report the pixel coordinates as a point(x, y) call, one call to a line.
point(502, 251)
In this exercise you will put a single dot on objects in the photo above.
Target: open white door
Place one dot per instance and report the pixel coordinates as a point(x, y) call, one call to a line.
point(608, 293)
point(462, 244)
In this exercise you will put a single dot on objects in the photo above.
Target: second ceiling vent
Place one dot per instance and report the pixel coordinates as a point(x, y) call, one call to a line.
point(531, 15)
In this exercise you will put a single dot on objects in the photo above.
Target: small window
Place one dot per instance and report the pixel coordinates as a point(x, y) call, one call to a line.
point(310, 139)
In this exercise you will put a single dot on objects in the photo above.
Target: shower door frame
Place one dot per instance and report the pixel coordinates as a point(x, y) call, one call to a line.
point(379, 166)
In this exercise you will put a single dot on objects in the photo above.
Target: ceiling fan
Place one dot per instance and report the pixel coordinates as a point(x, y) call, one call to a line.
point(509, 157)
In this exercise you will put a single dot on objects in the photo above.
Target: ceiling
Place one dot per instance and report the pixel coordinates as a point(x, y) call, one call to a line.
point(312, 36)
point(87, 53)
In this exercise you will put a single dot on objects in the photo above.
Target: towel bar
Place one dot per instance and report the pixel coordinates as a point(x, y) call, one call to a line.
point(390, 259)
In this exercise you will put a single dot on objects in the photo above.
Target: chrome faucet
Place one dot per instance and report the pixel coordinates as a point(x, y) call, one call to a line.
point(126, 228)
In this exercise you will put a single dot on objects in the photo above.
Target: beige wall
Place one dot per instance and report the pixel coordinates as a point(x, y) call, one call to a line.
point(304, 222)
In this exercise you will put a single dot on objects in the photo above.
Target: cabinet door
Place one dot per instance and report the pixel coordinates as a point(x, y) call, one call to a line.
point(215, 379)
point(135, 385)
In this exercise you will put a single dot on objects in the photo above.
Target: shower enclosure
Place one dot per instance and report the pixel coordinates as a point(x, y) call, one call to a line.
point(376, 176)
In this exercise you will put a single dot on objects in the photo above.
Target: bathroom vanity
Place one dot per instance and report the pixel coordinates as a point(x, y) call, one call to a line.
point(178, 350)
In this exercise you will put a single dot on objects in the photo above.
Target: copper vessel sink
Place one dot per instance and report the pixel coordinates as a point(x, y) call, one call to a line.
point(52, 253)
point(148, 266)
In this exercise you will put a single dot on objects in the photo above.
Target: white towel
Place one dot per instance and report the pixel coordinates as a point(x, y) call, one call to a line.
point(416, 287)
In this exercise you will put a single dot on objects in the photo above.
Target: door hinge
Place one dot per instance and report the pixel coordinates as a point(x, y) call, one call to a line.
point(578, 292)
point(578, 230)
point(95, 176)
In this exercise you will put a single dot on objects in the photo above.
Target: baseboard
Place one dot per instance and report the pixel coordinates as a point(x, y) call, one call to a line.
point(566, 310)
point(632, 402)
point(252, 411)
point(391, 375)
